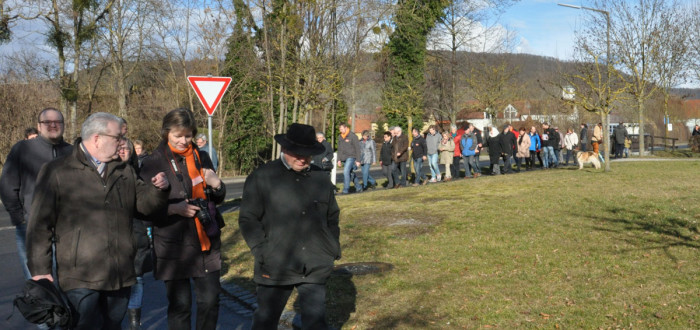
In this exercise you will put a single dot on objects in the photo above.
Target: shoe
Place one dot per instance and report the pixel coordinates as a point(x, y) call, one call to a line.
point(476, 175)
point(439, 178)
point(134, 318)
point(415, 185)
point(397, 186)
point(447, 179)
point(433, 180)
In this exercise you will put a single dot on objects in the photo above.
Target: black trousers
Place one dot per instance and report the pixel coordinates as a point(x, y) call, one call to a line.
point(206, 290)
point(99, 309)
point(272, 299)
point(454, 167)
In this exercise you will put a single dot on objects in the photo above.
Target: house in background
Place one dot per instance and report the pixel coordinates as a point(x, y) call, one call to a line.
point(691, 110)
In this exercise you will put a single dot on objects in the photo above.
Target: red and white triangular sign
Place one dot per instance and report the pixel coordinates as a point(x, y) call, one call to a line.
point(209, 90)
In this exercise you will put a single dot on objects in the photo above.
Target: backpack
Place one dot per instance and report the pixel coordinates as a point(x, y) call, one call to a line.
point(42, 302)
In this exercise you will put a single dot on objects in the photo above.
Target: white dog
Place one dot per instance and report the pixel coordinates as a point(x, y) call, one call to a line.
point(586, 157)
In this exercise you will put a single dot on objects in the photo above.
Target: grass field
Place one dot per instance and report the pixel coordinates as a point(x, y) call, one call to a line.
point(544, 249)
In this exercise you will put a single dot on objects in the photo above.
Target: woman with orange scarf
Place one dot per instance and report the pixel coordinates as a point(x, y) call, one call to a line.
point(187, 245)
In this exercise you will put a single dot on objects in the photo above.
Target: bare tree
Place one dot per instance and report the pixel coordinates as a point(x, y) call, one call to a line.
point(598, 86)
point(123, 35)
point(466, 26)
point(672, 57)
point(492, 84)
point(637, 34)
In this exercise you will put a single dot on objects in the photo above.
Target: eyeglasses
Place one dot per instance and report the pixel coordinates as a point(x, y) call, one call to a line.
point(118, 137)
point(51, 122)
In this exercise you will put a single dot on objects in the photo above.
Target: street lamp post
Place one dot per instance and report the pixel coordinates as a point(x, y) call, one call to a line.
point(606, 122)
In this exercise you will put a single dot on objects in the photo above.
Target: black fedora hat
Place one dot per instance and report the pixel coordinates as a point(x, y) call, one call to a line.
point(300, 139)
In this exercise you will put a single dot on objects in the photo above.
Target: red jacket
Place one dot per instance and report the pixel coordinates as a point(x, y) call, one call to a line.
point(458, 146)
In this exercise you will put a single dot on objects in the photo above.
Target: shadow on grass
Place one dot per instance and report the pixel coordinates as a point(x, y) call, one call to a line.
point(671, 231)
point(341, 298)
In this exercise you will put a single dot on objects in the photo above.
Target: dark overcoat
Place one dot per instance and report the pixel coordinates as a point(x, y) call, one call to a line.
point(289, 220)
point(178, 253)
point(92, 220)
point(495, 148)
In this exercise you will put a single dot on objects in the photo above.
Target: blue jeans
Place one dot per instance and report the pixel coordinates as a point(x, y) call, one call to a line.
point(549, 159)
point(366, 178)
point(418, 166)
point(470, 162)
point(349, 174)
point(136, 297)
point(434, 167)
point(20, 237)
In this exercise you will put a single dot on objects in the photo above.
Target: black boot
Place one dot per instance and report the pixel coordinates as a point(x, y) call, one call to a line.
point(134, 318)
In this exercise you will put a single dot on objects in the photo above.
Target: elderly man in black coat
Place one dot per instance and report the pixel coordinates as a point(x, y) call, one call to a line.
point(289, 219)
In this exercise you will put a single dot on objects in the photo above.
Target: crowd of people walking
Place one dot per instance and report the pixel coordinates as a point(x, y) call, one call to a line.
point(459, 149)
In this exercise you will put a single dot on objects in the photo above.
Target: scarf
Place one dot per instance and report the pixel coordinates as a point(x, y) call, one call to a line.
point(197, 190)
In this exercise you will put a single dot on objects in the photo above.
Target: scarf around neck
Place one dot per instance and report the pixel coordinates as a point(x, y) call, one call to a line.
point(197, 190)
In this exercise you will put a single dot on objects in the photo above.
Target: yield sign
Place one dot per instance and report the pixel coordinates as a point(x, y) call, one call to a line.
point(209, 90)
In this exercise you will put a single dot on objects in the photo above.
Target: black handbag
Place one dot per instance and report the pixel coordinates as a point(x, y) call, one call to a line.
point(42, 302)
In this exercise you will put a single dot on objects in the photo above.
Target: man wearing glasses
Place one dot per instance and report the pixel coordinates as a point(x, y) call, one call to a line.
point(21, 169)
point(86, 201)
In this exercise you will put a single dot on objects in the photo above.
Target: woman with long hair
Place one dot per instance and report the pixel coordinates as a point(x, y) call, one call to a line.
point(186, 235)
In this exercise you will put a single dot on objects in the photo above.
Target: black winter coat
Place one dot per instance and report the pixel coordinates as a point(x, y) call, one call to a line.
point(418, 147)
point(552, 139)
point(495, 148)
point(178, 253)
point(289, 220)
point(508, 143)
point(385, 154)
point(318, 160)
point(20, 171)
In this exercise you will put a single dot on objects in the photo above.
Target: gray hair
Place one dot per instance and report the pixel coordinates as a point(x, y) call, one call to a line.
point(201, 136)
point(398, 128)
point(97, 124)
point(320, 134)
point(453, 126)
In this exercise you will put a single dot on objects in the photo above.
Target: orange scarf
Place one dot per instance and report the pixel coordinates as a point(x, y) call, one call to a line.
point(345, 135)
point(197, 190)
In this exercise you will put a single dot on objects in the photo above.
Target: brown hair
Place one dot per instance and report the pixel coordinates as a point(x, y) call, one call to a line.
point(178, 119)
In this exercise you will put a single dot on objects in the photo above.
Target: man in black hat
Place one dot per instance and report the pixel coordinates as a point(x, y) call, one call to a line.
point(289, 219)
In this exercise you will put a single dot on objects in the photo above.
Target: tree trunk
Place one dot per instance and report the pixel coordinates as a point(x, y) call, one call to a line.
point(121, 92)
point(605, 119)
point(640, 111)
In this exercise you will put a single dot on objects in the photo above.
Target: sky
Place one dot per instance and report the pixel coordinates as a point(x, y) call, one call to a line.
point(544, 28)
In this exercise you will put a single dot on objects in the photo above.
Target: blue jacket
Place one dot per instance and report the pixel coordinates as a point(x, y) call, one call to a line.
point(535, 142)
point(468, 146)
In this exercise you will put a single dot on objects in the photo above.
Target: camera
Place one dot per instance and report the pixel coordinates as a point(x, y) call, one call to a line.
point(203, 213)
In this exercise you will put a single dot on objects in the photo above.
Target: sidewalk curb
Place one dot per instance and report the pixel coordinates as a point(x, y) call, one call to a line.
point(238, 299)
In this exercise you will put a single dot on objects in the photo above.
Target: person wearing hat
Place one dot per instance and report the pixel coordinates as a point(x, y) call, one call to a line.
point(289, 219)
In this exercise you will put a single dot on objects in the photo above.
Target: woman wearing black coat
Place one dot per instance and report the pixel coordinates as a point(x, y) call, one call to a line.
point(187, 243)
point(493, 142)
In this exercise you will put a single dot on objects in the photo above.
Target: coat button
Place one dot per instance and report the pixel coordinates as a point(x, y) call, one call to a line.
point(303, 212)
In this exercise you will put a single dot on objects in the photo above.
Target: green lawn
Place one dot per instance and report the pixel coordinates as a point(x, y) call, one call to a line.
point(546, 249)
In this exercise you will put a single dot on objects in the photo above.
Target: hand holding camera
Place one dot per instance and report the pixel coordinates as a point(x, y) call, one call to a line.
point(203, 213)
